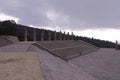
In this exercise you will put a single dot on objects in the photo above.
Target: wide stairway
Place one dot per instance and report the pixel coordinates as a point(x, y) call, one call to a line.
point(67, 49)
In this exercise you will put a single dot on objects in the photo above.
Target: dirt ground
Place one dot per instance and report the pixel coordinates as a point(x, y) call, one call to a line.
point(20, 66)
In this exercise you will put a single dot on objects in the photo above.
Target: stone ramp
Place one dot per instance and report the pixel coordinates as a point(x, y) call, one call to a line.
point(67, 49)
point(7, 40)
point(29, 62)
point(20, 66)
point(54, 68)
point(4, 41)
point(103, 64)
point(17, 47)
point(13, 39)
point(21, 61)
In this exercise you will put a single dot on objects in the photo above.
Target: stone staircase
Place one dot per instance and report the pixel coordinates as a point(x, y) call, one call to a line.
point(67, 49)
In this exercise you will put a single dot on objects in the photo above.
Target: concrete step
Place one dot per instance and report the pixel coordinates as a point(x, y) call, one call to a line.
point(67, 48)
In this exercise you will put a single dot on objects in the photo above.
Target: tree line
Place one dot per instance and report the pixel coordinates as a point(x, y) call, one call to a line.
point(9, 27)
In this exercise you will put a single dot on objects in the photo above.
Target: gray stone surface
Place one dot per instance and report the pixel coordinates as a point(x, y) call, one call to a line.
point(20, 66)
point(68, 48)
point(55, 68)
point(4, 42)
point(7, 40)
point(18, 47)
point(103, 65)
point(13, 39)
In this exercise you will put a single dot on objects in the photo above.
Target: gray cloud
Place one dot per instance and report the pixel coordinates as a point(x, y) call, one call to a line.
point(91, 13)
point(74, 14)
point(28, 11)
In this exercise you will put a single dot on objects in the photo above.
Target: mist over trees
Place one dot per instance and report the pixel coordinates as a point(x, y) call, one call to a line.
point(9, 27)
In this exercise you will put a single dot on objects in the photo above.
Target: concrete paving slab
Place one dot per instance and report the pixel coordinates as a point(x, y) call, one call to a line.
point(4, 42)
point(20, 66)
point(103, 64)
point(68, 48)
point(18, 47)
point(13, 39)
point(55, 68)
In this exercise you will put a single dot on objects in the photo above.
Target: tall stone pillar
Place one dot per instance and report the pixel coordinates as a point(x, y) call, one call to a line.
point(25, 35)
point(34, 34)
point(42, 35)
point(49, 35)
point(68, 37)
point(55, 35)
point(64, 36)
point(60, 35)
point(116, 46)
point(72, 36)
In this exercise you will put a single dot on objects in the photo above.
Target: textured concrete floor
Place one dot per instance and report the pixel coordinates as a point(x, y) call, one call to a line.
point(103, 65)
point(18, 47)
point(55, 68)
point(68, 49)
point(20, 66)
point(16, 64)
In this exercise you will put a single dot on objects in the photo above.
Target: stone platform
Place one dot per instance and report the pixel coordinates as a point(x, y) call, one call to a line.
point(67, 49)
point(25, 61)
point(103, 64)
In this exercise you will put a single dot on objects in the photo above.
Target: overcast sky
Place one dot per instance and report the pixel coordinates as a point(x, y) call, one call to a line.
point(93, 18)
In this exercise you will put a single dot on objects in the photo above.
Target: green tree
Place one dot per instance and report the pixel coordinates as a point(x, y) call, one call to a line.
point(8, 28)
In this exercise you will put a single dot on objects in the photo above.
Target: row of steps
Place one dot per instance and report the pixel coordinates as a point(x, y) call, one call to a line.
point(67, 49)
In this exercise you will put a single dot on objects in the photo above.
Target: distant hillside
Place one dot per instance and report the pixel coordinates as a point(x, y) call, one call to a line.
point(11, 28)
point(97, 42)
